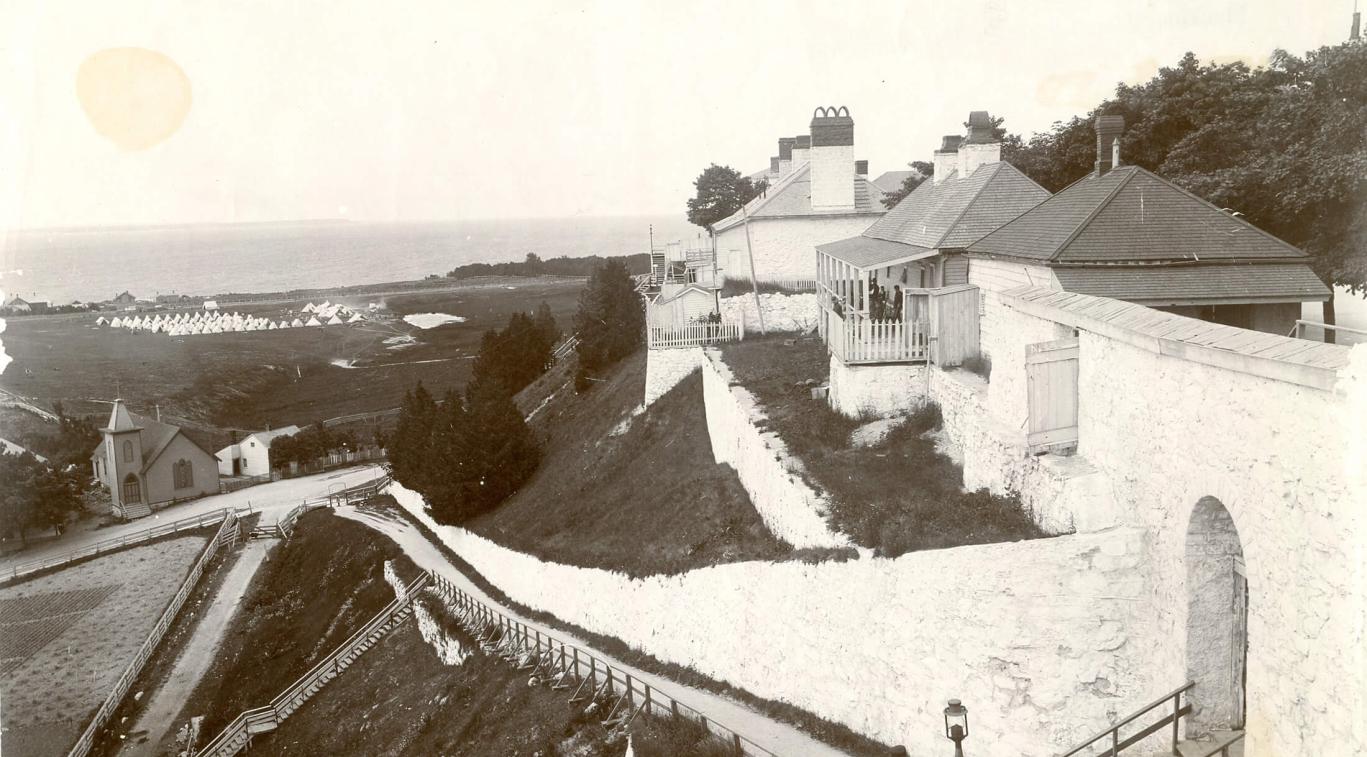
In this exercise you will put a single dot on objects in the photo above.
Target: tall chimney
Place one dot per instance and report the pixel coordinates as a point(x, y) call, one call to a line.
point(1108, 131)
point(946, 159)
point(785, 155)
point(774, 167)
point(832, 158)
point(802, 150)
point(861, 168)
point(1355, 33)
point(980, 146)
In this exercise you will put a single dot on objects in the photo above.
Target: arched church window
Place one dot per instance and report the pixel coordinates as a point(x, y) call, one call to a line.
point(128, 452)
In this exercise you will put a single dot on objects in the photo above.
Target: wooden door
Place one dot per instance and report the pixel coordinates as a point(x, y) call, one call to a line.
point(1239, 646)
point(1051, 391)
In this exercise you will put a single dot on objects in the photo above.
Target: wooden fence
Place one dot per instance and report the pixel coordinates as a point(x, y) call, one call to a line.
point(566, 666)
point(110, 545)
point(694, 334)
point(227, 534)
point(860, 340)
point(238, 734)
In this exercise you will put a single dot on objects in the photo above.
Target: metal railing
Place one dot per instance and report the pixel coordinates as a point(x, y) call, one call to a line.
point(565, 666)
point(237, 734)
point(1113, 733)
point(110, 545)
point(694, 334)
point(227, 534)
point(1222, 748)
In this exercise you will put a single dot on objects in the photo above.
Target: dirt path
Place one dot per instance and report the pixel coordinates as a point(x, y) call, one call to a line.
point(157, 719)
point(775, 736)
point(271, 500)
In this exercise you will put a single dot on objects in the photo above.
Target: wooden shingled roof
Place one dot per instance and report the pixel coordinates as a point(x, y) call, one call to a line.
point(959, 210)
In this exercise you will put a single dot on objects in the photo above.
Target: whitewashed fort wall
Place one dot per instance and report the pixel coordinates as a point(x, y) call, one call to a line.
point(1024, 632)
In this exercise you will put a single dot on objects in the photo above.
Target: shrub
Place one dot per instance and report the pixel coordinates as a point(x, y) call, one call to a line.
point(980, 365)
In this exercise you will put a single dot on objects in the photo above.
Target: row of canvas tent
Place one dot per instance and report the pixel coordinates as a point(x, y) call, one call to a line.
point(185, 324)
point(327, 310)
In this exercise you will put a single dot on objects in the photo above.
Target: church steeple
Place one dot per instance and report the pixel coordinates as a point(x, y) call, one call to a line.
point(123, 451)
point(120, 420)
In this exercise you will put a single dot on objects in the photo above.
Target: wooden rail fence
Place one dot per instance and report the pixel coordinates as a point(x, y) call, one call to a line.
point(566, 667)
point(228, 533)
point(110, 545)
point(238, 734)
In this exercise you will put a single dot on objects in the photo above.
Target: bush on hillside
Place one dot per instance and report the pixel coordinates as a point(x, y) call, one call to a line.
point(610, 321)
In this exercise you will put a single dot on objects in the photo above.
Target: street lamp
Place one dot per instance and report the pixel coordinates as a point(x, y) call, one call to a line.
point(956, 725)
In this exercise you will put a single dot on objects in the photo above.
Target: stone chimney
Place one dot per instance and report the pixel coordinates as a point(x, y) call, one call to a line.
point(1108, 131)
point(785, 156)
point(946, 159)
point(832, 158)
point(861, 168)
point(979, 147)
point(773, 166)
point(802, 150)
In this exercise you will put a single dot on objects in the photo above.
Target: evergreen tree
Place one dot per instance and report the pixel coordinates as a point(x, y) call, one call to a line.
point(454, 477)
point(410, 446)
point(506, 455)
point(610, 320)
point(547, 328)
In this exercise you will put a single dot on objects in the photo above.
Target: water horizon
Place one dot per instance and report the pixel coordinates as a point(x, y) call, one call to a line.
point(95, 263)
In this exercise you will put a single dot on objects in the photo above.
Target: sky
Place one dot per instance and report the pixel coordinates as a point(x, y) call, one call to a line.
point(435, 110)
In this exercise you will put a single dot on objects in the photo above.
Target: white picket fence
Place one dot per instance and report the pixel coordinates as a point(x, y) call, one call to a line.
point(859, 340)
point(694, 334)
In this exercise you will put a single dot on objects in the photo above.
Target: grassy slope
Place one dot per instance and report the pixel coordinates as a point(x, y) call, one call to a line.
point(312, 593)
point(399, 699)
point(650, 500)
point(249, 380)
point(897, 496)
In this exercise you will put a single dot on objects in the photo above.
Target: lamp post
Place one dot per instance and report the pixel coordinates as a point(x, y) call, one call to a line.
point(956, 725)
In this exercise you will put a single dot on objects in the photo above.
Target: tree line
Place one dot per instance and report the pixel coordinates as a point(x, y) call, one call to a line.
point(468, 451)
point(1283, 144)
point(309, 444)
point(534, 265)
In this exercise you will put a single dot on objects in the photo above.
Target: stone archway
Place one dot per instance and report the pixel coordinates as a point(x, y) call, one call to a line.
point(1217, 619)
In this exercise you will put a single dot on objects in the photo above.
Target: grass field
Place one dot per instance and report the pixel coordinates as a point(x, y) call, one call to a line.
point(313, 592)
point(67, 636)
point(412, 704)
point(899, 495)
point(250, 380)
point(635, 493)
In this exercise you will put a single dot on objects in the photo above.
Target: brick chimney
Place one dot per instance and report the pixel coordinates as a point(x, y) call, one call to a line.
point(861, 168)
point(979, 147)
point(785, 155)
point(802, 150)
point(1108, 131)
point(832, 158)
point(946, 159)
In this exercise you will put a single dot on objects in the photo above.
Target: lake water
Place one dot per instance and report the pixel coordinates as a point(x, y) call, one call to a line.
point(61, 265)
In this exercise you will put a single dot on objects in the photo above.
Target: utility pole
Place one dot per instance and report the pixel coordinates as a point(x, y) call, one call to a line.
point(754, 283)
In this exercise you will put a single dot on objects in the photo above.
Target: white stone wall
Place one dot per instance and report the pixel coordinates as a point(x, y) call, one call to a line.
point(876, 390)
point(792, 510)
point(666, 368)
point(785, 248)
point(1025, 633)
point(1283, 458)
point(782, 312)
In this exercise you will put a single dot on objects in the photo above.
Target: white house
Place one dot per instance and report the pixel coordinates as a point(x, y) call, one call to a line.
point(820, 198)
point(211, 304)
point(252, 455)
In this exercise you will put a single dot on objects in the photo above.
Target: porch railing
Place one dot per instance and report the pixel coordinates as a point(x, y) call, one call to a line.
point(1110, 740)
point(694, 334)
point(859, 340)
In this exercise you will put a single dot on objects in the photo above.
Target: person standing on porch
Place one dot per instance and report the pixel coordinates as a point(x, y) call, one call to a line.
point(896, 303)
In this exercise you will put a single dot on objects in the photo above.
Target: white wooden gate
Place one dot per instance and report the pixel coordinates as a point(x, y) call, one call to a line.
point(1051, 387)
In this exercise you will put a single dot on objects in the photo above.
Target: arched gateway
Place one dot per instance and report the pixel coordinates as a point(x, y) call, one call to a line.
point(1217, 619)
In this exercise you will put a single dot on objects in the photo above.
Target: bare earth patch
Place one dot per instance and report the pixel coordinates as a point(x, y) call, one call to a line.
point(70, 634)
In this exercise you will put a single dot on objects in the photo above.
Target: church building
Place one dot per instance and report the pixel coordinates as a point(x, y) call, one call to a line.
point(146, 463)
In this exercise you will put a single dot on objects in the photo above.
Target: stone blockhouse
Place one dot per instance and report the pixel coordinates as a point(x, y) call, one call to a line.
point(1126, 233)
point(819, 197)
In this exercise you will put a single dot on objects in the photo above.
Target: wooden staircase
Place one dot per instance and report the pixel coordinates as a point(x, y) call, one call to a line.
point(238, 734)
point(134, 510)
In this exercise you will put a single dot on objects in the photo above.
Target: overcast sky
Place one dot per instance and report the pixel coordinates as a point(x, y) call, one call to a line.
point(451, 110)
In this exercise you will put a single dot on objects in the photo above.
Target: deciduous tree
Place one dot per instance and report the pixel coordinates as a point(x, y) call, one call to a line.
point(721, 191)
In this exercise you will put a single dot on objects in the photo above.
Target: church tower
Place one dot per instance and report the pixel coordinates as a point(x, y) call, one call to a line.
point(123, 450)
